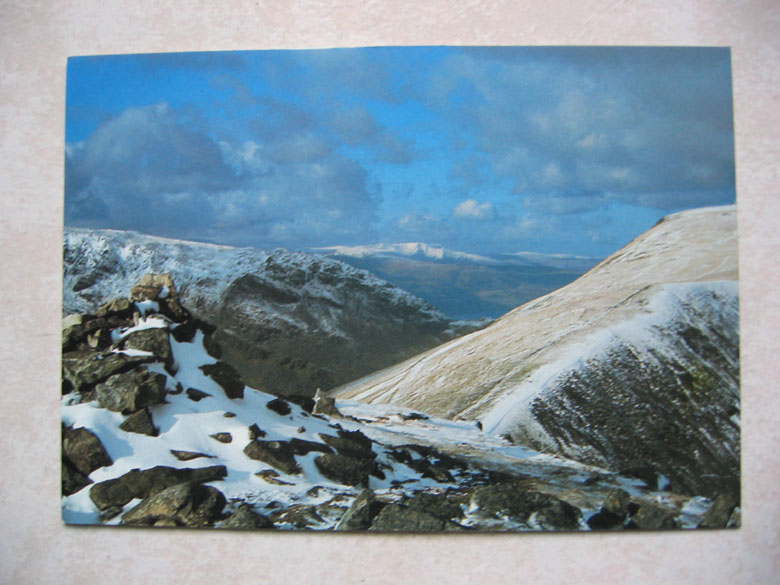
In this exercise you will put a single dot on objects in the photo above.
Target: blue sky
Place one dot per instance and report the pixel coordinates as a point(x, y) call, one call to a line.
point(482, 149)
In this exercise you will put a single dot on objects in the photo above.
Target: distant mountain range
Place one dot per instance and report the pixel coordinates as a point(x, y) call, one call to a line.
point(463, 285)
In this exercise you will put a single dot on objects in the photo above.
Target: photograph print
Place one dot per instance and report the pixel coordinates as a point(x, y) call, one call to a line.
point(409, 289)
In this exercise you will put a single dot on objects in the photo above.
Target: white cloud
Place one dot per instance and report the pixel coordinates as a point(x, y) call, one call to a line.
point(472, 209)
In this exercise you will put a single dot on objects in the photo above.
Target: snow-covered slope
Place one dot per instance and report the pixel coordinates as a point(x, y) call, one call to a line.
point(635, 364)
point(289, 322)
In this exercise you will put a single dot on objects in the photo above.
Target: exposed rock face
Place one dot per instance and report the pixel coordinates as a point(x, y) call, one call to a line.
point(288, 323)
point(635, 364)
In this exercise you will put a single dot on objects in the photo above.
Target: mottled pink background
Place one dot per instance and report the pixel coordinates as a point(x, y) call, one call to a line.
point(36, 37)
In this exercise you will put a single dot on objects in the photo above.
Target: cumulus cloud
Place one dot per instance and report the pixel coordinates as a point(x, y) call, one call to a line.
point(144, 170)
point(472, 209)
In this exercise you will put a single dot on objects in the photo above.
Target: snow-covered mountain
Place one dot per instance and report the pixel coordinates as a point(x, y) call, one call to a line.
point(417, 250)
point(158, 431)
point(288, 322)
point(464, 285)
point(633, 365)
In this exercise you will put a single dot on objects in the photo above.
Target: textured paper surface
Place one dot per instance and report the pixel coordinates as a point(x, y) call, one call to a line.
point(35, 547)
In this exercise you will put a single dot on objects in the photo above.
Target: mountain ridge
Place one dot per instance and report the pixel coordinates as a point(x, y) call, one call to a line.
point(508, 373)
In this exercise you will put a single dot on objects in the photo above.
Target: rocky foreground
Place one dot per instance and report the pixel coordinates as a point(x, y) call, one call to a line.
point(158, 431)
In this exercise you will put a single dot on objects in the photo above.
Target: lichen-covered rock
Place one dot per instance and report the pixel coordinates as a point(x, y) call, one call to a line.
point(344, 469)
point(154, 340)
point(72, 479)
point(396, 518)
point(279, 454)
point(361, 512)
point(83, 369)
point(84, 450)
point(140, 422)
point(512, 500)
point(142, 484)
point(652, 517)
point(184, 504)
point(720, 511)
point(131, 391)
point(245, 518)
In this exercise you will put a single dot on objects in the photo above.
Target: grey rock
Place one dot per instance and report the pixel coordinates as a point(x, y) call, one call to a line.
point(184, 504)
point(396, 518)
point(131, 391)
point(84, 450)
point(279, 454)
point(324, 404)
point(141, 484)
point(84, 369)
point(227, 377)
point(140, 422)
point(652, 517)
point(344, 469)
point(361, 512)
point(154, 340)
point(720, 511)
point(245, 518)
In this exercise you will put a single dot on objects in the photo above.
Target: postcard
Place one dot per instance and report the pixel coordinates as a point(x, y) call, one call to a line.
point(409, 289)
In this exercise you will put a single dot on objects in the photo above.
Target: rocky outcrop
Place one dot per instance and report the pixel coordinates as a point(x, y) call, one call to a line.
point(144, 483)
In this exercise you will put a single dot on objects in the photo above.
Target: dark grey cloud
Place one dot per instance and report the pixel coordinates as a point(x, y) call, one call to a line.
point(650, 127)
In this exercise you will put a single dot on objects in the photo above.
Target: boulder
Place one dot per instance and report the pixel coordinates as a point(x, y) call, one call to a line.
point(140, 422)
point(344, 469)
point(434, 504)
point(278, 454)
point(224, 375)
point(613, 511)
point(119, 307)
point(650, 516)
point(131, 391)
point(184, 504)
point(324, 404)
point(719, 512)
point(84, 450)
point(512, 500)
point(160, 288)
point(154, 340)
point(353, 444)
point(361, 513)
point(196, 395)
point(84, 369)
point(255, 432)
point(142, 484)
point(302, 447)
point(396, 518)
point(245, 518)
point(72, 479)
point(279, 406)
point(222, 437)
